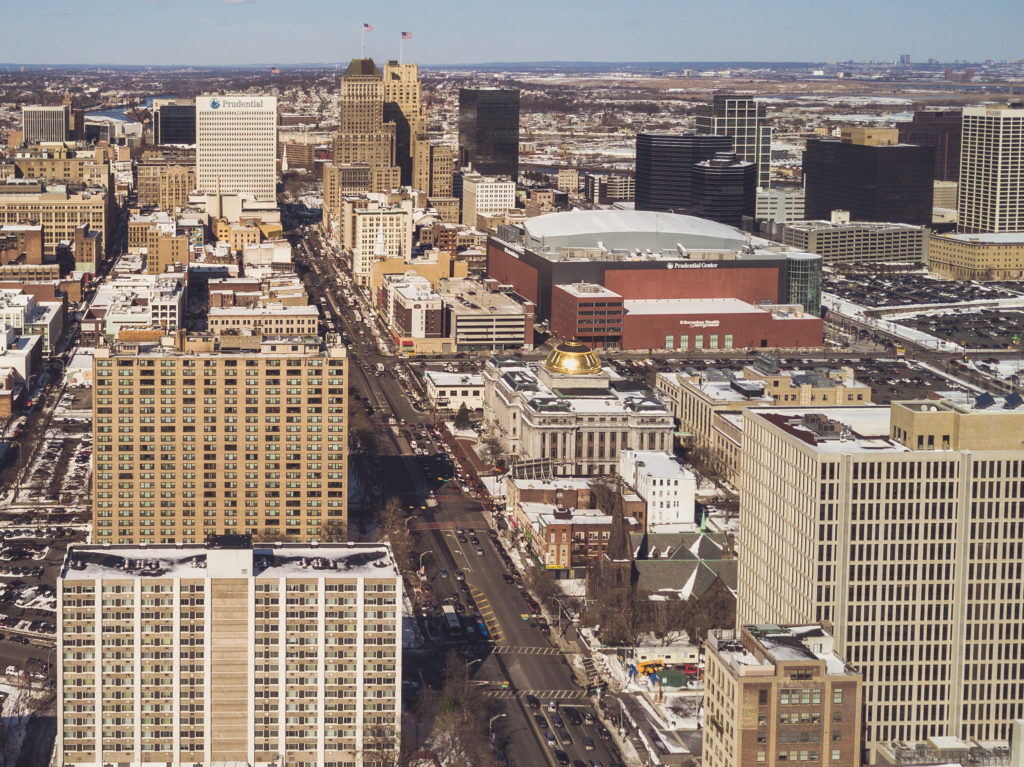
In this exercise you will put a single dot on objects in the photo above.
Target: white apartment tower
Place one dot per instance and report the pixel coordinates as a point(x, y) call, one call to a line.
point(900, 530)
point(991, 192)
point(236, 145)
point(229, 653)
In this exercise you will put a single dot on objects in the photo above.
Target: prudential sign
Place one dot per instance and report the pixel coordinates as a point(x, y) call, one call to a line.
point(223, 103)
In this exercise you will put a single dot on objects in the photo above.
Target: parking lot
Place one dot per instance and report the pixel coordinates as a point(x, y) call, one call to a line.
point(884, 290)
point(973, 329)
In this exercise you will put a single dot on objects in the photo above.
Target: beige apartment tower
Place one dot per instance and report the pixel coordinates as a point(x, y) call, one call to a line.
point(229, 653)
point(212, 435)
point(779, 694)
point(898, 528)
point(991, 191)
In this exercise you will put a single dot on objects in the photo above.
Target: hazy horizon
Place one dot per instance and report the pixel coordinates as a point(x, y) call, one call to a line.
point(324, 32)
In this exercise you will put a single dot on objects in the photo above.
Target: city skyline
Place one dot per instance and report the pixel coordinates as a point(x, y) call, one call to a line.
point(321, 32)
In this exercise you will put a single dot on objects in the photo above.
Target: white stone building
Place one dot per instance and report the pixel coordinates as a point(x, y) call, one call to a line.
point(668, 488)
point(571, 411)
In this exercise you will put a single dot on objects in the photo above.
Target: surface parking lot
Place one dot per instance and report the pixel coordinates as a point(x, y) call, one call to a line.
point(884, 290)
point(976, 329)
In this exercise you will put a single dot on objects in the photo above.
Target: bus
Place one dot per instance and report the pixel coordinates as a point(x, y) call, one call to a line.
point(452, 624)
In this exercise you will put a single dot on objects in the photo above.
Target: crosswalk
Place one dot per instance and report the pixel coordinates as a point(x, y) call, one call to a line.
point(525, 650)
point(483, 606)
point(539, 694)
point(503, 649)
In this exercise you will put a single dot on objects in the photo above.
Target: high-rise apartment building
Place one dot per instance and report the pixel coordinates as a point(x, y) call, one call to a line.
point(778, 694)
point(45, 123)
point(206, 439)
point(724, 189)
point(742, 119)
point(871, 175)
point(489, 131)
point(236, 145)
point(940, 128)
point(991, 194)
point(227, 652)
point(664, 168)
point(898, 527)
point(174, 121)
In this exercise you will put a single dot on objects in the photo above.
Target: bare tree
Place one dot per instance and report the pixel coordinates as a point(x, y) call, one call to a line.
point(494, 449)
point(392, 526)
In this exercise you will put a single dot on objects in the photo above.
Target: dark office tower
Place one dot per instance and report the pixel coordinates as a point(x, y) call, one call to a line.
point(871, 175)
point(724, 189)
point(940, 128)
point(489, 131)
point(174, 122)
point(742, 118)
point(664, 167)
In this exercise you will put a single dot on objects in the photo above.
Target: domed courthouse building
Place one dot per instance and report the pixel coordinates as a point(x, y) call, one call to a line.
point(571, 411)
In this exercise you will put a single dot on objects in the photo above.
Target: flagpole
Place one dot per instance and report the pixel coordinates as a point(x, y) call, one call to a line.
point(362, 43)
point(401, 49)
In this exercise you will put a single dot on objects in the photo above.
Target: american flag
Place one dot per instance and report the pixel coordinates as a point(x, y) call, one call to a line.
point(367, 27)
point(407, 35)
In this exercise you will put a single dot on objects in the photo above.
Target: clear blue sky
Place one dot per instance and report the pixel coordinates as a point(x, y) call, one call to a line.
point(243, 32)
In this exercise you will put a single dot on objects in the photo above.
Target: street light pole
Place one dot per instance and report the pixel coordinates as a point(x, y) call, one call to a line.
point(490, 726)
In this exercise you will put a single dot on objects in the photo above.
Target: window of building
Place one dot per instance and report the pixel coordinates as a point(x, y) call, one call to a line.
point(669, 342)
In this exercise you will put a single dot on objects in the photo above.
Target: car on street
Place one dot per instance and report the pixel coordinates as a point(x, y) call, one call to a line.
point(588, 717)
point(562, 758)
point(443, 573)
point(532, 701)
point(573, 717)
point(565, 738)
point(541, 721)
point(588, 744)
point(556, 721)
point(479, 551)
point(552, 705)
point(578, 763)
point(603, 732)
point(459, 575)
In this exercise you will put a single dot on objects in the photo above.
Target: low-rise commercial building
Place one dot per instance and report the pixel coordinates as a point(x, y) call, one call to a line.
point(982, 257)
point(204, 653)
point(478, 319)
point(775, 695)
point(58, 208)
point(266, 320)
point(450, 391)
point(566, 539)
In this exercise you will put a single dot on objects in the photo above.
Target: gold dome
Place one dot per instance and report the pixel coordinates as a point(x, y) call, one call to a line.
point(573, 358)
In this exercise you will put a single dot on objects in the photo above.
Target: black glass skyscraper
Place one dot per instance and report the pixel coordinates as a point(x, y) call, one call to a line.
point(874, 183)
point(664, 167)
point(489, 131)
point(724, 189)
point(174, 124)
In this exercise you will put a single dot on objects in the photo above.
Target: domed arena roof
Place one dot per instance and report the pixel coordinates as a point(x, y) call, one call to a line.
point(573, 358)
